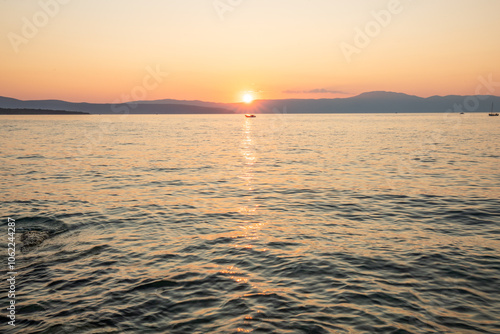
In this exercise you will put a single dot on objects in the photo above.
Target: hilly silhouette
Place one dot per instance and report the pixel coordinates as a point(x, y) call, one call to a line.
point(370, 102)
point(4, 111)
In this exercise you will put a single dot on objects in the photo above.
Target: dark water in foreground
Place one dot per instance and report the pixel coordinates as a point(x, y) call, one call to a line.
point(278, 224)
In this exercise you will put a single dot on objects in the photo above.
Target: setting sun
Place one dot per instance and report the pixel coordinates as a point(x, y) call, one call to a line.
point(247, 98)
point(259, 165)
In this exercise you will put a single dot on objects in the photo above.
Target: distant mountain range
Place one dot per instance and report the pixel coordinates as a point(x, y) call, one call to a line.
point(372, 102)
point(4, 111)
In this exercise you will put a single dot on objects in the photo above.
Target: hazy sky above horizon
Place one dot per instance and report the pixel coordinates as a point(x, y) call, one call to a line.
point(216, 50)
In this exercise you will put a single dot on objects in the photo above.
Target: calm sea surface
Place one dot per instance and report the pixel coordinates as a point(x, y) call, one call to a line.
point(376, 223)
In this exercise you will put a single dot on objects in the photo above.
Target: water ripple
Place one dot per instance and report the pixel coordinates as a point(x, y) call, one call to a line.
point(346, 224)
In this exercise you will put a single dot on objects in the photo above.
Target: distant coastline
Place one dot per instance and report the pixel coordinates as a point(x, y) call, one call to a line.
point(4, 111)
point(370, 102)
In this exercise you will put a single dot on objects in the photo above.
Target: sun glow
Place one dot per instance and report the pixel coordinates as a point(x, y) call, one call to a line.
point(247, 98)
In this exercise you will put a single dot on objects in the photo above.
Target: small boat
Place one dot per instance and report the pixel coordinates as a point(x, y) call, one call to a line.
point(250, 115)
point(492, 113)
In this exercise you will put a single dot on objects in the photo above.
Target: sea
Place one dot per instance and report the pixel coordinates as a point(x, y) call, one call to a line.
point(282, 223)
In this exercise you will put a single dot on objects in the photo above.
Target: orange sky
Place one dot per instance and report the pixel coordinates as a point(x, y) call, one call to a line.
point(216, 50)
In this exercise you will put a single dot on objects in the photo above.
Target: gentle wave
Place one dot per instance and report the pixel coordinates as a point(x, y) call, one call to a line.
point(311, 231)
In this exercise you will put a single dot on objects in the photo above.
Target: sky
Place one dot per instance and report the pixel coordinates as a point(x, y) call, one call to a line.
point(220, 50)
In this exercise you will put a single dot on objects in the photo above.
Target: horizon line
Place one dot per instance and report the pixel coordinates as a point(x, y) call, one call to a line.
point(241, 102)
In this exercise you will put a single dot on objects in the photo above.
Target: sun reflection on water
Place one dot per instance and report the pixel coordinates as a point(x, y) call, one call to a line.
point(249, 154)
point(247, 237)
